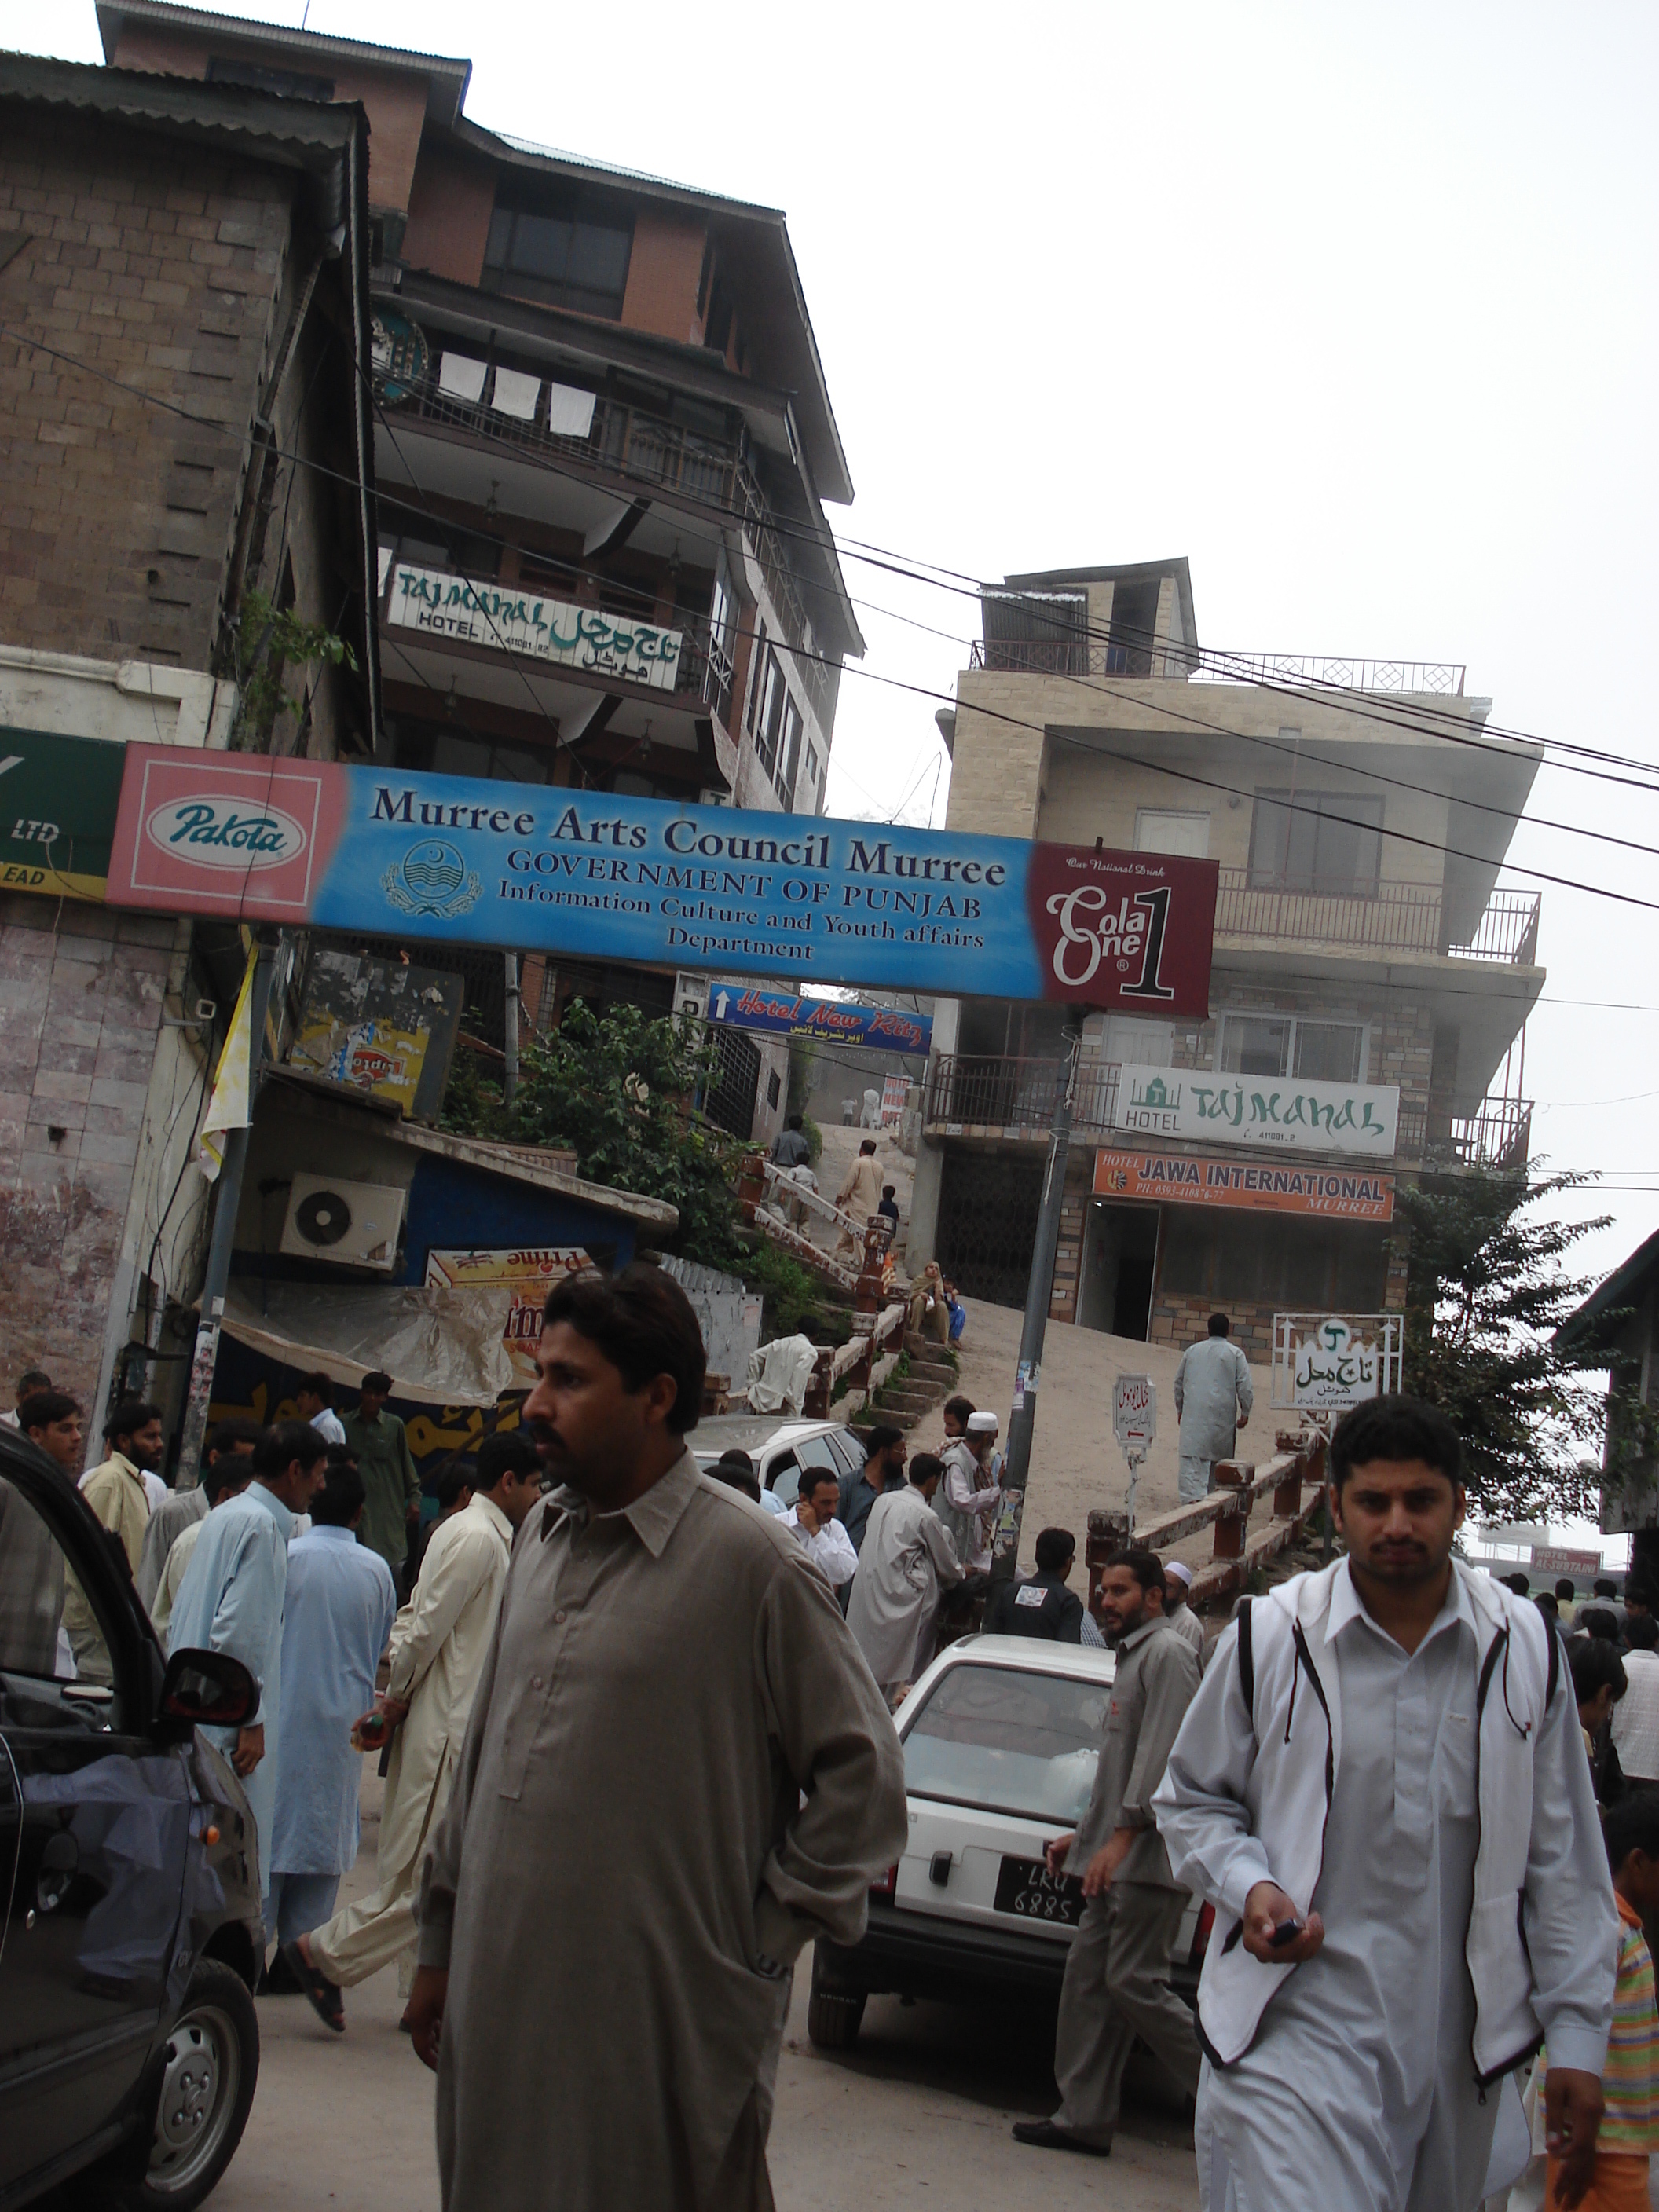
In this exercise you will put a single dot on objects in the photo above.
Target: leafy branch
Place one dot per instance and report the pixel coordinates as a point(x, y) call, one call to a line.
point(270, 642)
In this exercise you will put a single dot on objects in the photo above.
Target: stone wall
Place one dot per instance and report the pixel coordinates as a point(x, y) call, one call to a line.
point(81, 997)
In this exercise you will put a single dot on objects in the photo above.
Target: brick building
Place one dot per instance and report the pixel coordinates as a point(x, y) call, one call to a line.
point(598, 395)
point(183, 292)
point(1370, 983)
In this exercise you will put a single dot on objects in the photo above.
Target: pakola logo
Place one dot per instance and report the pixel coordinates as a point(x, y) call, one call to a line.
point(213, 834)
point(432, 879)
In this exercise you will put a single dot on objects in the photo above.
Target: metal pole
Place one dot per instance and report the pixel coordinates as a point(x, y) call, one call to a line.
point(510, 1029)
point(1038, 1290)
point(227, 1198)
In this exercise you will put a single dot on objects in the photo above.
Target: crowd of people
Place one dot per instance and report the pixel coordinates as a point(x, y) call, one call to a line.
point(639, 1749)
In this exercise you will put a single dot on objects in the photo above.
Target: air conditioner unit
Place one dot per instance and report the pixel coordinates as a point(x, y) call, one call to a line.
point(355, 1225)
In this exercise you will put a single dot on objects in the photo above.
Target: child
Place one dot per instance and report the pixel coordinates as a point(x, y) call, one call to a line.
point(1630, 2081)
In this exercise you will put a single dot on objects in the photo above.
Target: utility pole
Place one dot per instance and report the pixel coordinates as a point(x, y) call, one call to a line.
point(510, 1029)
point(227, 1198)
point(1005, 1548)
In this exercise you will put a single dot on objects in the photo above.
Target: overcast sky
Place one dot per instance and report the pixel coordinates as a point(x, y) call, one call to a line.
point(1356, 308)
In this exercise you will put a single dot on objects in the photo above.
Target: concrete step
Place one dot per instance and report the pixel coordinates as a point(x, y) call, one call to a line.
point(912, 1402)
point(933, 1370)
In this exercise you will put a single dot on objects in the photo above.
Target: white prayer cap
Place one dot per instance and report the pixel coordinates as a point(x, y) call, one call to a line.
point(982, 1425)
point(1177, 1571)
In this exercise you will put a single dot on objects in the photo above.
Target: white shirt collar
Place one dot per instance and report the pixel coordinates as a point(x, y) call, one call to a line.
point(1346, 1605)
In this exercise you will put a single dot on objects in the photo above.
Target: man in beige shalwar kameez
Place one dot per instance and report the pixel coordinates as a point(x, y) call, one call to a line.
point(439, 1642)
point(678, 1772)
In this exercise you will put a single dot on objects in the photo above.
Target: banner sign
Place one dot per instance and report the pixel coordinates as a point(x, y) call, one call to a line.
point(527, 1276)
point(1248, 1109)
point(751, 1006)
point(1174, 1178)
point(1134, 1413)
point(58, 798)
point(531, 628)
point(1333, 1367)
point(543, 869)
point(1552, 1560)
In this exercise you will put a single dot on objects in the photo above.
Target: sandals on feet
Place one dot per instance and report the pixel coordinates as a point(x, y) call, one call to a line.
point(322, 1995)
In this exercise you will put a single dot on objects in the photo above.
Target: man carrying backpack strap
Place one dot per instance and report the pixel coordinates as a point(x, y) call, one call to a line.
point(1381, 1786)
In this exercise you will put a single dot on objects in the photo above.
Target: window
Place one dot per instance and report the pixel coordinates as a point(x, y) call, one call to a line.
point(773, 1091)
point(1160, 831)
point(1010, 1741)
point(563, 243)
point(811, 769)
point(446, 751)
point(722, 630)
point(47, 1627)
point(1277, 1045)
point(778, 730)
point(1329, 841)
point(1293, 1266)
point(788, 752)
point(758, 677)
point(1141, 1043)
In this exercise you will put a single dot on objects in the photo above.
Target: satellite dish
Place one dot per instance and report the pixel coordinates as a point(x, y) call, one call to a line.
point(323, 1219)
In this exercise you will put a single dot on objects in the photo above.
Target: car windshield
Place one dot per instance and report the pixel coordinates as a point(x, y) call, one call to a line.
point(1011, 1739)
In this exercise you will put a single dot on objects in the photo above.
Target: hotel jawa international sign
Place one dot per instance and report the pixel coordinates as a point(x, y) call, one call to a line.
point(543, 869)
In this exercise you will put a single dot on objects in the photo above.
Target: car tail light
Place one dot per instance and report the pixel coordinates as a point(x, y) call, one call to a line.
point(1202, 1935)
point(886, 1884)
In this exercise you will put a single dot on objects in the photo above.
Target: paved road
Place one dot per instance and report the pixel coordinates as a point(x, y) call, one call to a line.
point(917, 2114)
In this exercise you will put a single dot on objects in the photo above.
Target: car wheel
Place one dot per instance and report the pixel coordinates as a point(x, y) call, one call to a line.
point(833, 2016)
point(210, 2066)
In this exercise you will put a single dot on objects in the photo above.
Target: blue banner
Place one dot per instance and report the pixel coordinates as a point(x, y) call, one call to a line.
point(882, 1028)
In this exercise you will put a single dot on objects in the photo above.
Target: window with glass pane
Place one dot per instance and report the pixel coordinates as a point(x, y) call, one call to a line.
point(774, 703)
point(47, 1624)
point(1326, 841)
point(1017, 1743)
point(563, 244)
point(1330, 1052)
point(1256, 1045)
point(789, 753)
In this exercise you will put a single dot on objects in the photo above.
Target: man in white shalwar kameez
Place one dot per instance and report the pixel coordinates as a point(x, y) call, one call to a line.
point(1214, 1396)
point(906, 1559)
point(439, 1642)
point(1381, 1786)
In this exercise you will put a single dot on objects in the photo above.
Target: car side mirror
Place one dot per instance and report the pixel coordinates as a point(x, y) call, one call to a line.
point(208, 1689)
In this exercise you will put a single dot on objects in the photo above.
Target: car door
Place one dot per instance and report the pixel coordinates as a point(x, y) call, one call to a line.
point(101, 1823)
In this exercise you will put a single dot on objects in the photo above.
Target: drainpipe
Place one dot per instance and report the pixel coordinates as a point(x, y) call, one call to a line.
point(510, 1027)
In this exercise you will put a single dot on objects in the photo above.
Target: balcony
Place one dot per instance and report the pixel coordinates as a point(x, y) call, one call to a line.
point(1190, 664)
point(1394, 917)
point(969, 1095)
point(648, 451)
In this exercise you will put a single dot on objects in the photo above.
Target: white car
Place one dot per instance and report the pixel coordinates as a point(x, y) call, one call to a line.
point(780, 1449)
point(1001, 1736)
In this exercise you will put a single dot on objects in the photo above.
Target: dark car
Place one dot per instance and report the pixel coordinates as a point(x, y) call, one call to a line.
point(130, 1938)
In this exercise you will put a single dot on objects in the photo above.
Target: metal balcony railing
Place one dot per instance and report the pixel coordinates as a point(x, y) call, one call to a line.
point(991, 1092)
point(1498, 1136)
point(1169, 663)
point(1394, 917)
point(985, 1092)
point(645, 449)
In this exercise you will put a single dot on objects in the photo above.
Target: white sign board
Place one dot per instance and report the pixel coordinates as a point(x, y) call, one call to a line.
point(1134, 1413)
point(1326, 1363)
point(532, 627)
point(1295, 1114)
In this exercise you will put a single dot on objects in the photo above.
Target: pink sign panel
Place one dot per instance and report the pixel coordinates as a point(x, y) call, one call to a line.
point(224, 833)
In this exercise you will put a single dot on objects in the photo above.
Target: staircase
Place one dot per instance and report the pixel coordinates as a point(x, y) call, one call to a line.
point(930, 1382)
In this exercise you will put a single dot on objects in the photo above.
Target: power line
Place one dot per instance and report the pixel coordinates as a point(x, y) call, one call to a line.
point(503, 542)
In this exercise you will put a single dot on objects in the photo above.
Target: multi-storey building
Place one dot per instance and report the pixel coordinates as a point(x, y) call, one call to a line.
point(603, 437)
point(1364, 964)
point(184, 272)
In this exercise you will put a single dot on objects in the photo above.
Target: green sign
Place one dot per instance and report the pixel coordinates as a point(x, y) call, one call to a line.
point(58, 798)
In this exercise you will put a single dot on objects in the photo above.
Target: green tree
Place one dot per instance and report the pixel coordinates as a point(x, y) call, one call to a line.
point(1486, 1292)
point(270, 641)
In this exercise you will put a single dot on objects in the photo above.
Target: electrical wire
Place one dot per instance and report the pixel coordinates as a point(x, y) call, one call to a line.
point(916, 689)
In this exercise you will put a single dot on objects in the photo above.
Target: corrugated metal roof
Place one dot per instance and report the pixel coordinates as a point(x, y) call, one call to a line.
point(634, 176)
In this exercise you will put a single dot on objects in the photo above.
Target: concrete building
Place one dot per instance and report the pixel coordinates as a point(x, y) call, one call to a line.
point(1365, 963)
point(603, 440)
point(1621, 1320)
point(184, 424)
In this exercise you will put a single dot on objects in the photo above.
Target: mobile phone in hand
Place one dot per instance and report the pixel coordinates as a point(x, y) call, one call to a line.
point(369, 1733)
point(1286, 1932)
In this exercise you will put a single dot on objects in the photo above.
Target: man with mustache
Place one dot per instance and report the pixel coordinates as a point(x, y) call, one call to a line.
point(677, 1774)
point(1381, 1786)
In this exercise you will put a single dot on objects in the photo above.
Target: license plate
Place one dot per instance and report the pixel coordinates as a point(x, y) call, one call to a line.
point(1025, 1887)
